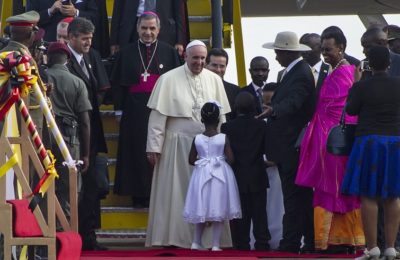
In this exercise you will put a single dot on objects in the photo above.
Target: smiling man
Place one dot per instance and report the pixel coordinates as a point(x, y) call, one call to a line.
point(137, 68)
point(259, 69)
point(175, 120)
point(82, 65)
point(217, 61)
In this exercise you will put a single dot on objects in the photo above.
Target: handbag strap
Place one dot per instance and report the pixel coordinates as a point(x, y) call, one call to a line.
point(343, 117)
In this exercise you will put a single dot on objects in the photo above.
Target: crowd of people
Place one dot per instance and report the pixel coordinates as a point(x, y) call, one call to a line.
point(197, 149)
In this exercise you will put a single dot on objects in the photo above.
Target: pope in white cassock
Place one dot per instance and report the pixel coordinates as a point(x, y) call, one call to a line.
point(174, 121)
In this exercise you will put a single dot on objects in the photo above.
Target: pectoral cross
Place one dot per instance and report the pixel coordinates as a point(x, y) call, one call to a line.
point(145, 74)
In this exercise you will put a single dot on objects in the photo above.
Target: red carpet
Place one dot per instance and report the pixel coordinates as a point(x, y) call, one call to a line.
point(182, 253)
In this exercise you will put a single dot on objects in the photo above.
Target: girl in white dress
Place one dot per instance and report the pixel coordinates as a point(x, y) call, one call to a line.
point(213, 194)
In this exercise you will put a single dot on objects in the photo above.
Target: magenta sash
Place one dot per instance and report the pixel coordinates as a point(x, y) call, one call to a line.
point(144, 86)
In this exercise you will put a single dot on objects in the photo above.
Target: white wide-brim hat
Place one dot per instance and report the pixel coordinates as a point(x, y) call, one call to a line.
point(286, 41)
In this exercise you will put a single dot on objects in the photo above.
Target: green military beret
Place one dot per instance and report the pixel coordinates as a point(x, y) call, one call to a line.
point(26, 19)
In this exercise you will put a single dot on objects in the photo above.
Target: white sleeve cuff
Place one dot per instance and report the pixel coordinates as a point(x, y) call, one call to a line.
point(156, 132)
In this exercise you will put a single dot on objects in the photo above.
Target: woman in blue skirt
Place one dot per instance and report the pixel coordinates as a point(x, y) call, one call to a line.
point(373, 170)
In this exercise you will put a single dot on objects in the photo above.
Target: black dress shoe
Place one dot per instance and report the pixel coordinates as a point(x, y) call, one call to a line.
point(340, 249)
point(307, 250)
point(264, 248)
point(288, 249)
point(242, 248)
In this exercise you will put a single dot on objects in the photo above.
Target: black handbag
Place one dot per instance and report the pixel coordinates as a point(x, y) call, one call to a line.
point(341, 137)
point(102, 176)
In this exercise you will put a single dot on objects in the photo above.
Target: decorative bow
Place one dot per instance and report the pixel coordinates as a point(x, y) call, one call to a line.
point(15, 79)
point(215, 169)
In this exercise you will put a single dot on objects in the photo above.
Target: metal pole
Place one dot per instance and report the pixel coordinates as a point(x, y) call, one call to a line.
point(216, 16)
point(239, 49)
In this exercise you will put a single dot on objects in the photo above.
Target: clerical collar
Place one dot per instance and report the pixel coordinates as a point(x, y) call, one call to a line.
point(147, 44)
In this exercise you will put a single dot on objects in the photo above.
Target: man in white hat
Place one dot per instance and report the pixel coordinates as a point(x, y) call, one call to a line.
point(292, 106)
point(175, 120)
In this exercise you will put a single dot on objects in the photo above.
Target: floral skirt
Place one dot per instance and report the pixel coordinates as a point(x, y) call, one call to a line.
point(373, 169)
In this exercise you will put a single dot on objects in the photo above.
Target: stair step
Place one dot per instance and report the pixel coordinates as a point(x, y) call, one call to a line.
point(114, 200)
point(199, 7)
point(123, 210)
point(112, 147)
point(200, 19)
point(206, 41)
point(123, 218)
point(118, 238)
point(107, 112)
point(121, 233)
point(110, 124)
point(200, 30)
point(112, 161)
point(111, 136)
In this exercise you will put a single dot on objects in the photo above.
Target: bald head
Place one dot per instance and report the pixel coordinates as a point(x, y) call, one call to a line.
point(373, 37)
point(62, 32)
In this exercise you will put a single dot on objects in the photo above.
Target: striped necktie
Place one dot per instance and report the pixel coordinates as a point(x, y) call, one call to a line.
point(84, 69)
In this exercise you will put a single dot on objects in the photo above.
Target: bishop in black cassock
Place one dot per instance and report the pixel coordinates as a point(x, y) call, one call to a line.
point(137, 68)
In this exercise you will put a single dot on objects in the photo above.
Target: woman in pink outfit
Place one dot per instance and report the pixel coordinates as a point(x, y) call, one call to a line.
point(337, 219)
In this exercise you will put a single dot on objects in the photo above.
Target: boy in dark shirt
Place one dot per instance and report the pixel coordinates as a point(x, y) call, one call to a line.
point(247, 141)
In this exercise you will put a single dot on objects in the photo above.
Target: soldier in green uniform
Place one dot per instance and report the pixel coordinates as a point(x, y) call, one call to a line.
point(71, 107)
point(23, 29)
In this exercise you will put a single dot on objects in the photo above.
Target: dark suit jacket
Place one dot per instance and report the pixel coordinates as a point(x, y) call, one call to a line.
point(232, 91)
point(293, 105)
point(87, 9)
point(249, 88)
point(247, 136)
point(172, 14)
point(97, 140)
point(321, 77)
point(352, 60)
point(101, 37)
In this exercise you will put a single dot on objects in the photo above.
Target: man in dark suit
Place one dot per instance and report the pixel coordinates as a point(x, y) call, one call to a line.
point(292, 106)
point(259, 69)
point(217, 61)
point(53, 11)
point(393, 32)
point(377, 37)
point(319, 68)
point(247, 136)
point(80, 34)
point(173, 19)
